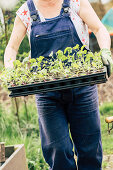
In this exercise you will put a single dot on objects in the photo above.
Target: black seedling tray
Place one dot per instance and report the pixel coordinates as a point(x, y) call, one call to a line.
point(34, 88)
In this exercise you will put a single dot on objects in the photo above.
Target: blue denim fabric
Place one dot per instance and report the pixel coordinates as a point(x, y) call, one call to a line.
point(75, 109)
point(52, 35)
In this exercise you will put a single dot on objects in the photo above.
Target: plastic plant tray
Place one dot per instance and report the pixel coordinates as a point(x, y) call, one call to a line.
point(36, 88)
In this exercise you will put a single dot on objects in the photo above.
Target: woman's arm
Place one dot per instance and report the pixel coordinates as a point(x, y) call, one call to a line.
point(89, 16)
point(18, 33)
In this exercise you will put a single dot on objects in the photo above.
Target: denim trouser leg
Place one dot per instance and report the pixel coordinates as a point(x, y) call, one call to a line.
point(56, 144)
point(84, 119)
point(79, 108)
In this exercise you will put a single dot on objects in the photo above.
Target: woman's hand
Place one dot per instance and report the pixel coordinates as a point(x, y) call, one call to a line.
point(18, 33)
point(107, 60)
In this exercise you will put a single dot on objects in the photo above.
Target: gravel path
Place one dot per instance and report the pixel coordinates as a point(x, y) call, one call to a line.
point(108, 162)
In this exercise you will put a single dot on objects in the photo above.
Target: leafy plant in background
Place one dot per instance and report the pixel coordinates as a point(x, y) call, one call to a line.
point(9, 17)
point(73, 62)
point(27, 133)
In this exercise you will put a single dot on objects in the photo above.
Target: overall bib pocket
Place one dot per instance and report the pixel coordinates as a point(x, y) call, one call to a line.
point(44, 43)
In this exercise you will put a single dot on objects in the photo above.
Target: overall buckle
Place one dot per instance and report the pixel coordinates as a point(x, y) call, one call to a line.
point(34, 17)
point(65, 8)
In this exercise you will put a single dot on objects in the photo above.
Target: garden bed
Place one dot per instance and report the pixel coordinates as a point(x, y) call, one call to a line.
point(15, 158)
point(30, 89)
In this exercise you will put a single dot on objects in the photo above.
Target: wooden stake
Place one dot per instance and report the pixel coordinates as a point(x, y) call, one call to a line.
point(26, 110)
point(17, 110)
point(2, 152)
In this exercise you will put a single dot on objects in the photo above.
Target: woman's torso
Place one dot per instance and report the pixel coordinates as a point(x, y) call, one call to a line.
point(81, 27)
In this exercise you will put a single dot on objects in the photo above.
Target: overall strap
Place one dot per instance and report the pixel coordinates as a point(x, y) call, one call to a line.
point(66, 6)
point(33, 12)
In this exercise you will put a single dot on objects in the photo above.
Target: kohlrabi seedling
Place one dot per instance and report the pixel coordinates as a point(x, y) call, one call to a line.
point(71, 62)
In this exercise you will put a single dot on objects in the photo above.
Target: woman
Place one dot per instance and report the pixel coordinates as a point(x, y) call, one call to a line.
point(54, 25)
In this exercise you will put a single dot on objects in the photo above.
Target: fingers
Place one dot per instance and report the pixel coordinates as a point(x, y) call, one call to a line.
point(111, 61)
point(105, 61)
point(108, 69)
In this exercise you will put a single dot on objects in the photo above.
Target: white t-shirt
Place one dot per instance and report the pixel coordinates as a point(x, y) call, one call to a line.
point(81, 27)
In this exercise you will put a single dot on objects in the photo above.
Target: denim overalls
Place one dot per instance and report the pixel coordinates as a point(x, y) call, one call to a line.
point(75, 109)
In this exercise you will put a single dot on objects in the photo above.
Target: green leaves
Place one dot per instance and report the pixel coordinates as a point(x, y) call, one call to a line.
point(76, 48)
point(68, 50)
point(17, 64)
point(70, 63)
point(83, 47)
point(39, 59)
point(59, 54)
point(32, 60)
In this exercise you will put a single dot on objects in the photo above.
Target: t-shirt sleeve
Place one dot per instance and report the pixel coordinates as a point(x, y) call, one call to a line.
point(75, 5)
point(23, 13)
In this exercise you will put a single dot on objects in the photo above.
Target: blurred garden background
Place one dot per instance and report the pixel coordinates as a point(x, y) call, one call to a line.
point(18, 116)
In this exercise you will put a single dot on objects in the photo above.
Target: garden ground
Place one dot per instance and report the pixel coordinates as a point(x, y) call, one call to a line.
point(108, 162)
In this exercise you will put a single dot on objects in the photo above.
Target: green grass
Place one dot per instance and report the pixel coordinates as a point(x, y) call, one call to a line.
point(105, 164)
point(11, 133)
point(1, 65)
point(28, 134)
point(107, 140)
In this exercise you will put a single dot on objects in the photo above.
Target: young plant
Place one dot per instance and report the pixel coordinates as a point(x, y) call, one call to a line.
point(71, 62)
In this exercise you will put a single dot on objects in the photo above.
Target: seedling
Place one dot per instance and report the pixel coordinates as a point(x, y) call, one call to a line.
point(72, 62)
